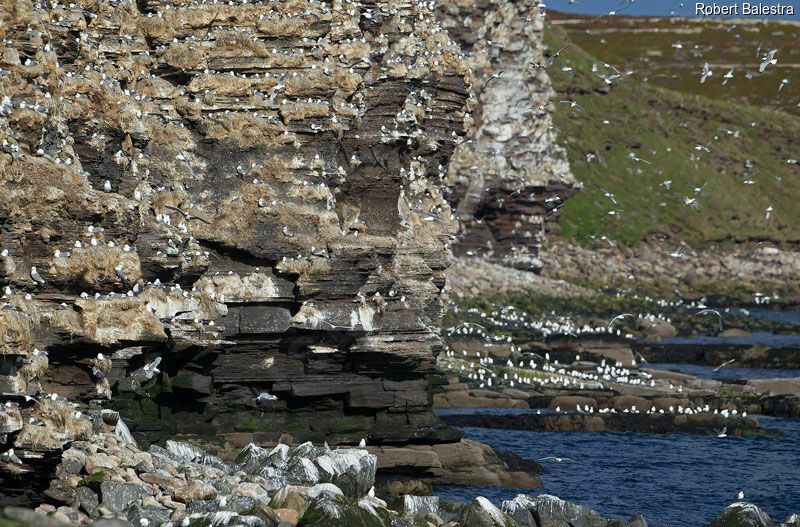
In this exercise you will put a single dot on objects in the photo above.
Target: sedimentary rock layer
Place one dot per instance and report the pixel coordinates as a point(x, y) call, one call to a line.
point(229, 187)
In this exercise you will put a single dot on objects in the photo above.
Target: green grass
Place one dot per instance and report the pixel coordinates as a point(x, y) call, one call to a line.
point(663, 126)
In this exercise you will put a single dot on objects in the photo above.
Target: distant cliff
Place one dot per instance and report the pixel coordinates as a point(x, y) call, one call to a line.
point(509, 180)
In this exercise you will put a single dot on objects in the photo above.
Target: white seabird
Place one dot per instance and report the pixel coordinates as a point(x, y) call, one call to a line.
point(35, 275)
point(152, 368)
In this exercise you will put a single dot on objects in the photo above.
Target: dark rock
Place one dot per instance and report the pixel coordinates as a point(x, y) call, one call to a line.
point(226, 518)
point(88, 500)
point(202, 506)
point(549, 511)
point(329, 510)
point(118, 496)
point(60, 492)
point(154, 515)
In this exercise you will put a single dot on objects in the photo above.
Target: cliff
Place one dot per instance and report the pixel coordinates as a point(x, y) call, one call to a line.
point(509, 178)
point(204, 203)
point(229, 188)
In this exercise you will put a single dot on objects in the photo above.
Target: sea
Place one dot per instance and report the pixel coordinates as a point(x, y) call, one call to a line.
point(673, 480)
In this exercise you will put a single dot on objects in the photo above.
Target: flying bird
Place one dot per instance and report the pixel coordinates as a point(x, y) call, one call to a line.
point(427, 216)
point(728, 76)
point(152, 368)
point(768, 59)
point(617, 318)
point(706, 73)
point(264, 397)
point(724, 364)
point(712, 312)
point(186, 215)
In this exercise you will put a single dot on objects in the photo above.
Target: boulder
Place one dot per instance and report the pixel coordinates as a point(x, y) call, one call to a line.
point(550, 511)
point(288, 499)
point(742, 514)
point(483, 513)
point(118, 496)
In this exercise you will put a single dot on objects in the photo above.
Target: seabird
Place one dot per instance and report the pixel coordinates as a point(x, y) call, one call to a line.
point(617, 318)
point(768, 59)
point(10, 456)
point(728, 76)
point(706, 73)
point(35, 275)
point(724, 364)
point(152, 368)
point(556, 459)
point(740, 495)
point(723, 432)
point(427, 216)
point(186, 215)
point(264, 396)
point(712, 312)
point(362, 443)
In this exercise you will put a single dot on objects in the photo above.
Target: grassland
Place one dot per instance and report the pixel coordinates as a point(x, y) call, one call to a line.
point(738, 154)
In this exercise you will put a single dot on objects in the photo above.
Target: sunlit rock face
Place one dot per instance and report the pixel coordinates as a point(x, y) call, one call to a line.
point(508, 181)
point(228, 187)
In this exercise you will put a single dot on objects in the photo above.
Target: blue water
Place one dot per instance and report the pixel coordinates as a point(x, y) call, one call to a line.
point(681, 480)
point(791, 317)
point(707, 372)
point(756, 337)
point(652, 7)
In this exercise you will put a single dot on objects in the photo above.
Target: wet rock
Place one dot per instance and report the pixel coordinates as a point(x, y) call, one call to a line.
point(742, 514)
point(117, 496)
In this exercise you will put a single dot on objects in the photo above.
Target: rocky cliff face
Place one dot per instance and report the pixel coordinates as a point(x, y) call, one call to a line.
point(229, 188)
point(508, 181)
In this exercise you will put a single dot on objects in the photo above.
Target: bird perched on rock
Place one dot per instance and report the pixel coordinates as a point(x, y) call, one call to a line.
point(36, 276)
point(10, 457)
point(362, 443)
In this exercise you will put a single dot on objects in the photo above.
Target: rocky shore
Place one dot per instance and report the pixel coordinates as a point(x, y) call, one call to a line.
point(701, 424)
point(602, 378)
point(107, 481)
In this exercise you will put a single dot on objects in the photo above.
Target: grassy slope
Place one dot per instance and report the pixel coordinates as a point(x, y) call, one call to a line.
point(648, 121)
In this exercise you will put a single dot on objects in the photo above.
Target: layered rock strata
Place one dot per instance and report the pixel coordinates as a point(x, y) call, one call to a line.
point(509, 177)
point(203, 202)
